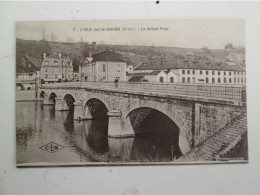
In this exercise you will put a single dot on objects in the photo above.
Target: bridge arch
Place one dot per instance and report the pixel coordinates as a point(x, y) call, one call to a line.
point(52, 97)
point(146, 107)
point(96, 109)
point(68, 100)
point(42, 93)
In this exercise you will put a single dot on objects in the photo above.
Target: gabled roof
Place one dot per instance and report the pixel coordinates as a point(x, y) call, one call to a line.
point(55, 55)
point(54, 58)
point(190, 64)
point(30, 65)
point(108, 56)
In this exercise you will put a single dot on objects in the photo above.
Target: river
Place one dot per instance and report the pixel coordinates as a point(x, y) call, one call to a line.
point(83, 142)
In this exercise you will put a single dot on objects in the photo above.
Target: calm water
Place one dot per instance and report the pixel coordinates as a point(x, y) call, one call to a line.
point(84, 141)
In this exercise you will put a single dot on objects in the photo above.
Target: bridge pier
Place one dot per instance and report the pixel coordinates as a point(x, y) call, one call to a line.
point(87, 115)
point(47, 101)
point(118, 128)
point(78, 111)
point(60, 105)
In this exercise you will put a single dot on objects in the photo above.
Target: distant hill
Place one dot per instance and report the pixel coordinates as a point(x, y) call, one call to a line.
point(133, 54)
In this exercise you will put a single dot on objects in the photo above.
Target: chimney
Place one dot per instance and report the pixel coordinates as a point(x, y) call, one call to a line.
point(44, 55)
point(90, 54)
point(59, 55)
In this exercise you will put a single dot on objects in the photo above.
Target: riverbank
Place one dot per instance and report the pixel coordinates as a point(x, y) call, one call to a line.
point(25, 95)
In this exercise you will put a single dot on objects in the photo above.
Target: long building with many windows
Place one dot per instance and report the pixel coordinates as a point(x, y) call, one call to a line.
point(191, 71)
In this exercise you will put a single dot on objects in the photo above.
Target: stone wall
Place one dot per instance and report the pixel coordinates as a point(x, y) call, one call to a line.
point(25, 95)
point(196, 120)
point(210, 118)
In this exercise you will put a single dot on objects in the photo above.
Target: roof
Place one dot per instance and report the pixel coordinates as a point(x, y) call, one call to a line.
point(155, 72)
point(30, 66)
point(55, 55)
point(190, 64)
point(107, 56)
point(55, 58)
point(136, 78)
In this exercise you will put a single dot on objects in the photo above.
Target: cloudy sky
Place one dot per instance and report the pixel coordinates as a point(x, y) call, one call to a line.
point(186, 33)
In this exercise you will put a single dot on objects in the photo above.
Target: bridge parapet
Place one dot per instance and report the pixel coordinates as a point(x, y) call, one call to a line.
point(224, 94)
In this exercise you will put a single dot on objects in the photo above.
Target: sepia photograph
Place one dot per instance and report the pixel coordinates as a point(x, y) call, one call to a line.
point(131, 92)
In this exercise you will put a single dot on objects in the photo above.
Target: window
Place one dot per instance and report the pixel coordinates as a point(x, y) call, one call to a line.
point(161, 79)
point(234, 73)
point(213, 80)
point(188, 71)
point(201, 72)
point(183, 79)
point(213, 72)
point(241, 80)
point(224, 72)
point(245, 80)
point(229, 73)
point(56, 76)
point(118, 69)
point(193, 80)
point(235, 80)
point(193, 72)
point(225, 80)
point(46, 69)
point(207, 72)
point(188, 79)
point(46, 62)
point(46, 76)
point(30, 75)
point(237, 73)
point(207, 80)
point(104, 68)
point(218, 72)
point(219, 80)
point(171, 79)
point(183, 71)
point(230, 80)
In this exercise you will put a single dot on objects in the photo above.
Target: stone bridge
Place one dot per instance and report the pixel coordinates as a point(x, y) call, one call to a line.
point(196, 111)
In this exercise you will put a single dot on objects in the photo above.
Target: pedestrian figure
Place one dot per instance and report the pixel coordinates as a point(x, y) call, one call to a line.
point(116, 82)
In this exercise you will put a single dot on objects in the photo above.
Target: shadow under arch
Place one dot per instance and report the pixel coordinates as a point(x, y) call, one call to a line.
point(42, 95)
point(68, 101)
point(52, 97)
point(96, 108)
point(152, 121)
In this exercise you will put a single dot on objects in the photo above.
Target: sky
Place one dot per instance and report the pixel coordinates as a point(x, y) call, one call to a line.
point(185, 33)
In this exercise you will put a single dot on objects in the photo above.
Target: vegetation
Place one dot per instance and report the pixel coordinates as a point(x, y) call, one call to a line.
point(134, 54)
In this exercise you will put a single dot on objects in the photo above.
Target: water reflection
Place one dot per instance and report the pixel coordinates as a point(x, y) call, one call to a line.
point(84, 141)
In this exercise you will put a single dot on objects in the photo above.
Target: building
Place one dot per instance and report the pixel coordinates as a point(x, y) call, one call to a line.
point(103, 66)
point(56, 68)
point(194, 71)
point(75, 76)
point(154, 76)
point(27, 73)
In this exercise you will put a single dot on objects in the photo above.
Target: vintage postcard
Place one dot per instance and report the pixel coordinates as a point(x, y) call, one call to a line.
point(131, 92)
